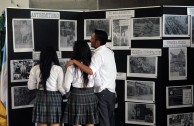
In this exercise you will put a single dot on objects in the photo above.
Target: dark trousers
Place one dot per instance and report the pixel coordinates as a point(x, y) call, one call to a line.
point(106, 108)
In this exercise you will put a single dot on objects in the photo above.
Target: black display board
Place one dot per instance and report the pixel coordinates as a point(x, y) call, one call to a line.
point(46, 33)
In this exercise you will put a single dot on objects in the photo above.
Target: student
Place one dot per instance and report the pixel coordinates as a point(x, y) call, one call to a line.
point(48, 78)
point(103, 61)
point(81, 108)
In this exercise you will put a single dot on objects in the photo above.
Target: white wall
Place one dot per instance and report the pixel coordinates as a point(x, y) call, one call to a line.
point(13, 3)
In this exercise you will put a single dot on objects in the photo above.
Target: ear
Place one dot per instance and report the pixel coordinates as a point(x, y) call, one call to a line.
point(97, 43)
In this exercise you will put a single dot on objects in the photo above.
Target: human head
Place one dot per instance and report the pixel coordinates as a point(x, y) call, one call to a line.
point(82, 52)
point(98, 38)
point(48, 57)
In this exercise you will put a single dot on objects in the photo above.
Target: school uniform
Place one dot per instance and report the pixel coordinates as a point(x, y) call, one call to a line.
point(103, 61)
point(82, 104)
point(47, 108)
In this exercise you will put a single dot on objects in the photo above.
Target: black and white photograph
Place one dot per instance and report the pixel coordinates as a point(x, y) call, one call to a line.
point(142, 66)
point(176, 25)
point(101, 24)
point(180, 119)
point(67, 34)
point(192, 31)
point(62, 63)
point(140, 91)
point(22, 97)
point(121, 34)
point(20, 69)
point(139, 113)
point(146, 28)
point(23, 35)
point(179, 96)
point(36, 55)
point(178, 63)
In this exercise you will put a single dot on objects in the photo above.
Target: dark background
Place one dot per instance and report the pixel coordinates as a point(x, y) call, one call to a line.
point(46, 33)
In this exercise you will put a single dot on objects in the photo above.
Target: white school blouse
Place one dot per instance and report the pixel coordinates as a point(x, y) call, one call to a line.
point(74, 77)
point(55, 82)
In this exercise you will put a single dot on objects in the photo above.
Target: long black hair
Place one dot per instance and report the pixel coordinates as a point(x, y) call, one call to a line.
point(82, 53)
point(48, 57)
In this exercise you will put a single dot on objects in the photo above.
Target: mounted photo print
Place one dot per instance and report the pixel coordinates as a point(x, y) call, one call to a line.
point(101, 24)
point(22, 97)
point(139, 113)
point(142, 66)
point(178, 63)
point(140, 91)
point(23, 35)
point(192, 31)
point(180, 119)
point(146, 28)
point(20, 69)
point(67, 34)
point(176, 26)
point(179, 96)
point(121, 34)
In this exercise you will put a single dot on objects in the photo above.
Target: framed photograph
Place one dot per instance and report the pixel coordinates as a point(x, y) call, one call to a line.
point(142, 66)
point(121, 34)
point(36, 55)
point(180, 119)
point(178, 63)
point(67, 34)
point(140, 91)
point(62, 63)
point(20, 69)
point(139, 113)
point(22, 97)
point(179, 96)
point(23, 35)
point(146, 28)
point(192, 31)
point(176, 25)
point(101, 24)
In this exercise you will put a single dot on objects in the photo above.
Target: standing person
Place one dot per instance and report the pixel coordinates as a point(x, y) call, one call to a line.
point(81, 108)
point(103, 61)
point(48, 78)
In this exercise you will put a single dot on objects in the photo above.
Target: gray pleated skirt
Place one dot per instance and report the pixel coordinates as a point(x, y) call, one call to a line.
point(81, 107)
point(47, 108)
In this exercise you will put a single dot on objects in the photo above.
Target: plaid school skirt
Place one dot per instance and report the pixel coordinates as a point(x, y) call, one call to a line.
point(47, 108)
point(81, 107)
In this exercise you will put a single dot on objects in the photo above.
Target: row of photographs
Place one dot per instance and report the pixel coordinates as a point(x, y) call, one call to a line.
point(144, 114)
point(123, 30)
point(144, 91)
point(137, 66)
point(135, 91)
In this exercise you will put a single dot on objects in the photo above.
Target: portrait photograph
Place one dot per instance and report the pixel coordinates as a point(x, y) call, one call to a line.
point(101, 24)
point(178, 63)
point(176, 26)
point(67, 34)
point(142, 66)
point(23, 35)
point(139, 113)
point(180, 119)
point(146, 28)
point(22, 97)
point(20, 69)
point(121, 39)
point(179, 96)
point(140, 91)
